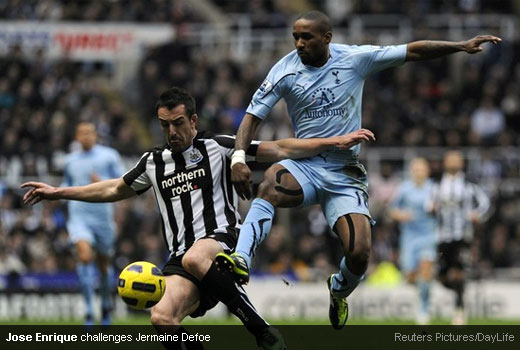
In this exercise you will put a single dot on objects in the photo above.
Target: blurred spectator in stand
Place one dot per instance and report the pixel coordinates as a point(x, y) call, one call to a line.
point(487, 121)
point(499, 250)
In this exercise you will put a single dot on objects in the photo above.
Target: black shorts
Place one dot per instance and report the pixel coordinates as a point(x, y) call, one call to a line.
point(174, 267)
point(454, 254)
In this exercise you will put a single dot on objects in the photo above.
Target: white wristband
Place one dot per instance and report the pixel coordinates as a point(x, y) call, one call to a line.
point(238, 157)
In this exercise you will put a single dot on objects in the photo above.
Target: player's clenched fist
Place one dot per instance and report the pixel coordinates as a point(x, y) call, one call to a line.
point(241, 178)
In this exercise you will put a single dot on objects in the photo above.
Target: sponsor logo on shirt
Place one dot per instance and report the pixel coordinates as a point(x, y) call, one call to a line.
point(182, 182)
point(322, 100)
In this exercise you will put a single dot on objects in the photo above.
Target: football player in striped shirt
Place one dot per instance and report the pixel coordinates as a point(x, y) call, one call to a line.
point(458, 204)
point(191, 178)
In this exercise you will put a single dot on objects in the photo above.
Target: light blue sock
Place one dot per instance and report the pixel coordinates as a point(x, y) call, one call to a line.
point(344, 282)
point(105, 288)
point(86, 275)
point(255, 229)
point(424, 295)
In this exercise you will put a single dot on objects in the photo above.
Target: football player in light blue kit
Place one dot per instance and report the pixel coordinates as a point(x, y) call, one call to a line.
point(91, 225)
point(322, 84)
point(417, 246)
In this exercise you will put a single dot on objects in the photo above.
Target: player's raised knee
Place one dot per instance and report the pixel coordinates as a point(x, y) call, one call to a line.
point(359, 259)
point(267, 192)
point(160, 317)
point(280, 188)
point(194, 262)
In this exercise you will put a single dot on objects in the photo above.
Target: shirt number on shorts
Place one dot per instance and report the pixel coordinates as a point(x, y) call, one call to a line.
point(362, 199)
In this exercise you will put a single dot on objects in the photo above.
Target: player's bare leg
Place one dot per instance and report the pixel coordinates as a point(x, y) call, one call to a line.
point(180, 299)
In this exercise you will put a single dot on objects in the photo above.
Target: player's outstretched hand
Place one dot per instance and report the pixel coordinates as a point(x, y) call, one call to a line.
point(353, 138)
point(241, 178)
point(37, 192)
point(473, 45)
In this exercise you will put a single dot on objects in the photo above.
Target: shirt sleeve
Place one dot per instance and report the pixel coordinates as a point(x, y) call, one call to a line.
point(269, 93)
point(137, 177)
point(227, 146)
point(370, 59)
point(481, 199)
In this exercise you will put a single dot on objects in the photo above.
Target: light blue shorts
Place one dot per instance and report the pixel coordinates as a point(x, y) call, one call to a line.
point(339, 188)
point(100, 235)
point(415, 249)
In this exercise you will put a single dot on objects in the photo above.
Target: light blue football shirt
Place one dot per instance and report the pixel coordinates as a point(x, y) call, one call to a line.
point(325, 101)
point(79, 166)
point(413, 198)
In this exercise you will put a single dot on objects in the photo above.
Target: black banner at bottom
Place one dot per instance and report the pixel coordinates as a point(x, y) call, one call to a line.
point(238, 338)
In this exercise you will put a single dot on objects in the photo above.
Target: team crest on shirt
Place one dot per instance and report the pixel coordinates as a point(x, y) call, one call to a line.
point(336, 73)
point(195, 155)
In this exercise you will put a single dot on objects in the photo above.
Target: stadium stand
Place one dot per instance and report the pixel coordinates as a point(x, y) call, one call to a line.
point(416, 109)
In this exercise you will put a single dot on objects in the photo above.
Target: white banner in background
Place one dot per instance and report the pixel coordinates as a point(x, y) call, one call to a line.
point(487, 299)
point(275, 299)
point(83, 41)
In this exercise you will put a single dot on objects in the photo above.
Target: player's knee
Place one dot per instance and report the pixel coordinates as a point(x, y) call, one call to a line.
point(267, 192)
point(160, 317)
point(194, 263)
point(410, 278)
point(84, 252)
point(426, 272)
point(84, 256)
point(358, 259)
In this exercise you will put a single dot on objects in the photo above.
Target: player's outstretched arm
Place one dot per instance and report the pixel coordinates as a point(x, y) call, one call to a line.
point(273, 151)
point(103, 191)
point(240, 172)
point(428, 49)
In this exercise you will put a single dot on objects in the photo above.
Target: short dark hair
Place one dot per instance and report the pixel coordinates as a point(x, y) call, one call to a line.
point(319, 17)
point(174, 97)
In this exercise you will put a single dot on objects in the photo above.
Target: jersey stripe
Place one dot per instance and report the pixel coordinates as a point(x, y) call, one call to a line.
point(208, 212)
point(171, 228)
point(228, 207)
point(189, 235)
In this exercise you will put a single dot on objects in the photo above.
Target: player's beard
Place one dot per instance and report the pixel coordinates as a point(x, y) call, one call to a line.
point(305, 57)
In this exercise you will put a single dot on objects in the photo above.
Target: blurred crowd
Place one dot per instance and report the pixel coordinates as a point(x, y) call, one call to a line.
point(262, 13)
point(95, 11)
point(442, 103)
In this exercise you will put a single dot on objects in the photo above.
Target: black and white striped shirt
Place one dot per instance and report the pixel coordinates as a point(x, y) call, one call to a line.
point(193, 189)
point(455, 199)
